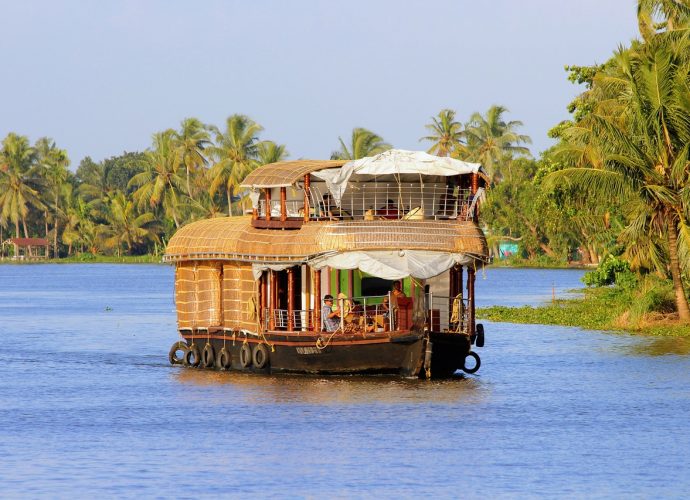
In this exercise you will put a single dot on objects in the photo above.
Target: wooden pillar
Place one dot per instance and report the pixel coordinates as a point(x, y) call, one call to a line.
point(470, 298)
point(263, 299)
point(317, 300)
point(283, 204)
point(474, 189)
point(267, 215)
point(291, 297)
point(337, 281)
point(350, 283)
point(452, 282)
point(307, 184)
point(307, 296)
point(272, 302)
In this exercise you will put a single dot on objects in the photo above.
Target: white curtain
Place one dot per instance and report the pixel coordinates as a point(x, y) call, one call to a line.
point(394, 265)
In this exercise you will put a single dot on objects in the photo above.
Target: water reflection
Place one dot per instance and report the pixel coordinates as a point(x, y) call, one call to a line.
point(268, 389)
point(663, 346)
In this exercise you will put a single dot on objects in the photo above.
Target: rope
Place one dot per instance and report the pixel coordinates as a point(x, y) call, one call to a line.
point(319, 342)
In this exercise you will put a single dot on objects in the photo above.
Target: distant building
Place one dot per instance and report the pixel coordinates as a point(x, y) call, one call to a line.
point(28, 248)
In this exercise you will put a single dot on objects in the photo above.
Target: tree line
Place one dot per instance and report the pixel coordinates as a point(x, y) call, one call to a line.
point(133, 203)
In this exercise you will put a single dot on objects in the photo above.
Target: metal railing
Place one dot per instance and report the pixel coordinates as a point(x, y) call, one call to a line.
point(376, 201)
point(375, 314)
point(381, 201)
point(448, 314)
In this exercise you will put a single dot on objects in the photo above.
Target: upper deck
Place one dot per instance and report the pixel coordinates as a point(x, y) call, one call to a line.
point(394, 185)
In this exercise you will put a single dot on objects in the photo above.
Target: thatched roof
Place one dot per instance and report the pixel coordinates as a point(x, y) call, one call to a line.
point(286, 173)
point(234, 238)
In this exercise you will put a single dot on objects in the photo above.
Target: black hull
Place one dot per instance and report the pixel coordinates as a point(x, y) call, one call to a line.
point(400, 354)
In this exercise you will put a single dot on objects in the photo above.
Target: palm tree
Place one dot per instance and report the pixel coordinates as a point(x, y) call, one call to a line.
point(77, 216)
point(670, 15)
point(270, 152)
point(17, 181)
point(491, 140)
point(53, 163)
point(160, 183)
point(235, 154)
point(125, 228)
point(191, 141)
point(363, 143)
point(640, 125)
point(447, 135)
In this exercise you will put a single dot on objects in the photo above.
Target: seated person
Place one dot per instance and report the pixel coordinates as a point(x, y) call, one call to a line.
point(389, 210)
point(330, 319)
point(328, 208)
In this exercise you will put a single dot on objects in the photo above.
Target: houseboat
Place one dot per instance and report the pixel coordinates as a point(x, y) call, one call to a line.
point(340, 267)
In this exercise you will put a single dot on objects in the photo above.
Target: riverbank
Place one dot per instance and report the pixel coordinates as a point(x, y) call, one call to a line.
point(644, 312)
point(87, 258)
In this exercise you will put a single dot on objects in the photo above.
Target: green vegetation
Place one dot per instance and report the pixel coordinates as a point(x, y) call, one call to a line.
point(613, 309)
point(617, 183)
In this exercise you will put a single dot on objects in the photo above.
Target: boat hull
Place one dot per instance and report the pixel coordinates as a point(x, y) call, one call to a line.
point(398, 353)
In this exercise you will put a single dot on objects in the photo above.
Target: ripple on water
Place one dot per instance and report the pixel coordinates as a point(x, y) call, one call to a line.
point(91, 407)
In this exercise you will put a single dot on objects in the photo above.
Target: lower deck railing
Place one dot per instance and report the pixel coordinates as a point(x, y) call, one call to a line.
point(375, 314)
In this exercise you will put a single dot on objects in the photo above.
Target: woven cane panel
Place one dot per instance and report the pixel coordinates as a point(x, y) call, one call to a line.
point(197, 295)
point(233, 238)
point(286, 173)
point(185, 294)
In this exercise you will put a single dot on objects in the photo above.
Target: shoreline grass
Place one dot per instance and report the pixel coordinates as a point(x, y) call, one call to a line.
point(606, 309)
point(92, 259)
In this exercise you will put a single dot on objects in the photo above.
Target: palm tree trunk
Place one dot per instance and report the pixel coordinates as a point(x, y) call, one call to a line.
point(55, 245)
point(229, 196)
point(681, 299)
point(16, 232)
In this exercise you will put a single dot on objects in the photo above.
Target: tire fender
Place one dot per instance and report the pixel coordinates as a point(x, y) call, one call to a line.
point(477, 360)
point(208, 356)
point(176, 347)
point(192, 357)
point(260, 357)
point(245, 355)
point(223, 359)
point(479, 341)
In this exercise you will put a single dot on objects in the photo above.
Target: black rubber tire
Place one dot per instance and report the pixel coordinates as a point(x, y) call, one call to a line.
point(223, 359)
point(245, 356)
point(260, 357)
point(479, 342)
point(172, 354)
point(476, 367)
point(208, 356)
point(192, 357)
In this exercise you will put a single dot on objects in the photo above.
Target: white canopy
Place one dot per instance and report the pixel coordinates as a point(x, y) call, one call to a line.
point(393, 265)
point(393, 162)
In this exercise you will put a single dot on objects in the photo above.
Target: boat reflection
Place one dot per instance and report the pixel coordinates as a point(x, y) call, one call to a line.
point(258, 388)
point(663, 346)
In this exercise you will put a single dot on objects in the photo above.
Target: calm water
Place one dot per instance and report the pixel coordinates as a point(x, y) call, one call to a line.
point(89, 406)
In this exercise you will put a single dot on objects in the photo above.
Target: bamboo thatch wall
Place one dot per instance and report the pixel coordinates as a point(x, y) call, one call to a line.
point(234, 238)
point(286, 173)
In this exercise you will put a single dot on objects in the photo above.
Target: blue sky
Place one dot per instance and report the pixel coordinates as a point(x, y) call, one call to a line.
point(101, 77)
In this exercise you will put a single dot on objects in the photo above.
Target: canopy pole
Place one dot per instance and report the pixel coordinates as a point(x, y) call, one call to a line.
point(307, 187)
point(272, 305)
point(263, 297)
point(317, 300)
point(470, 299)
point(306, 286)
point(267, 215)
point(475, 188)
point(290, 297)
point(283, 203)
